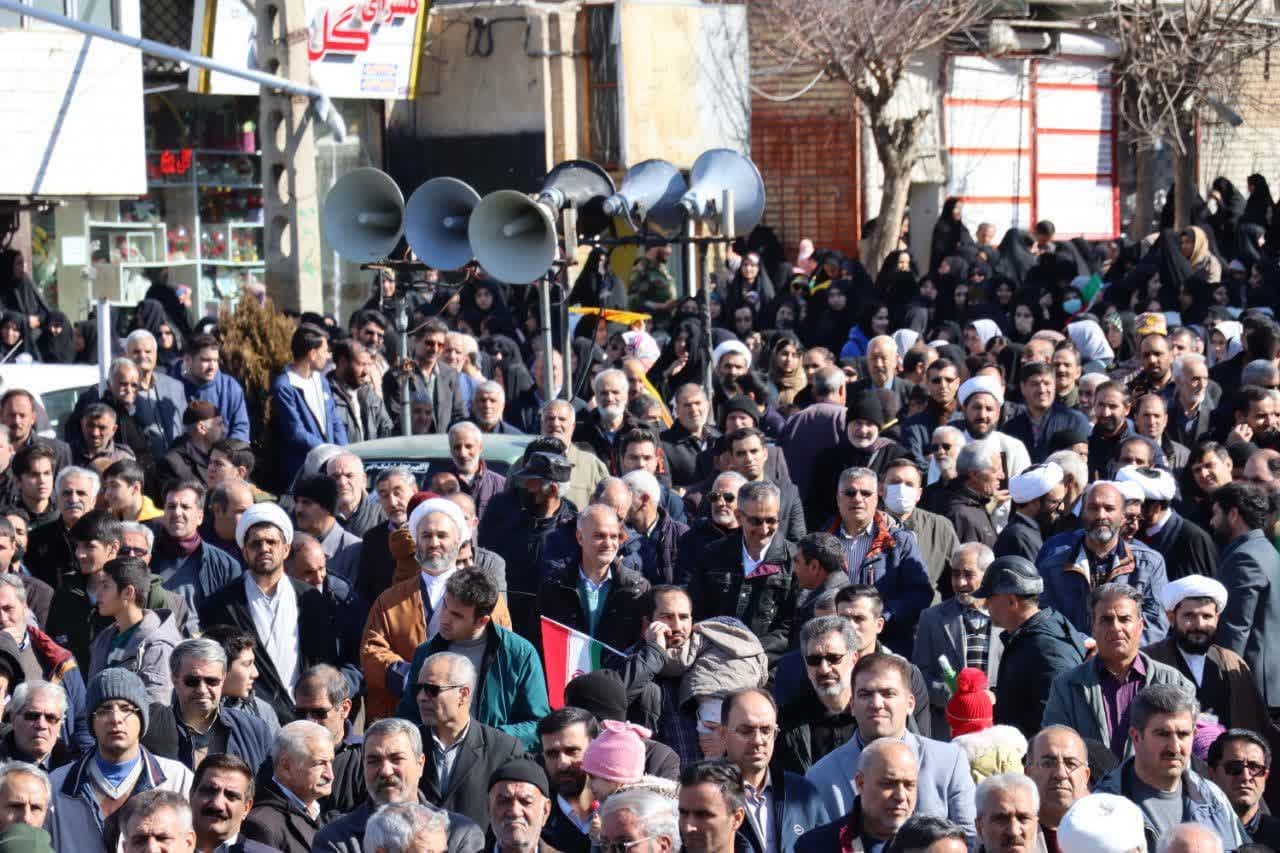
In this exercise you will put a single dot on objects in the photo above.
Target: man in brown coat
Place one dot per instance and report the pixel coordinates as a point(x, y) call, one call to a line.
point(1224, 683)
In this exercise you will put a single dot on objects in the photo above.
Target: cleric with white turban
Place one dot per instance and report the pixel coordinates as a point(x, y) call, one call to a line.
point(727, 347)
point(1193, 586)
point(1156, 484)
point(1035, 482)
point(264, 513)
point(982, 384)
point(441, 505)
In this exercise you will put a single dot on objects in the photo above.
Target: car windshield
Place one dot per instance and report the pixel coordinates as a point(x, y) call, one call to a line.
point(420, 467)
point(58, 405)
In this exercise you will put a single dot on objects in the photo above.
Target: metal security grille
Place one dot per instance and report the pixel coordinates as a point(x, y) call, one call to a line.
point(603, 87)
point(168, 22)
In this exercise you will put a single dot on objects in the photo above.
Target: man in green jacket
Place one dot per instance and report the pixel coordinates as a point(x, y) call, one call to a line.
point(512, 691)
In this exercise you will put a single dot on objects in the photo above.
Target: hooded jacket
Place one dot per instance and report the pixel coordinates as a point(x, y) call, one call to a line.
point(729, 658)
point(146, 652)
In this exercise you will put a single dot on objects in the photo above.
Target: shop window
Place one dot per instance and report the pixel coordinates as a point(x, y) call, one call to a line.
point(100, 12)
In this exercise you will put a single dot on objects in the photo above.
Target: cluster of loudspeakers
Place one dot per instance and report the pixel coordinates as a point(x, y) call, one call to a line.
point(514, 236)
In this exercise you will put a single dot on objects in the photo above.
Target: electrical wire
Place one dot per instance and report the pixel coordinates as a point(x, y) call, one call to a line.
point(784, 98)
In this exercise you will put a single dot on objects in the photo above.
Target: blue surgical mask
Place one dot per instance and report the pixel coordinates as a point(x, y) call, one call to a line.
point(1072, 306)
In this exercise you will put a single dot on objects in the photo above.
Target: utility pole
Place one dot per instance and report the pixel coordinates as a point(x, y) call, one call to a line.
point(291, 208)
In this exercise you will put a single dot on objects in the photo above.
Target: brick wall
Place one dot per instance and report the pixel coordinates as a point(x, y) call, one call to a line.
point(806, 150)
point(1238, 152)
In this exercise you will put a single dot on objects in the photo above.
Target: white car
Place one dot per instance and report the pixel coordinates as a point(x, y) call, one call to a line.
point(56, 386)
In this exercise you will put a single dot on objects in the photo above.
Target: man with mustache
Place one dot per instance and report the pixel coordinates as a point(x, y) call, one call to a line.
point(816, 721)
point(1096, 698)
point(1073, 564)
point(1111, 426)
point(959, 631)
point(393, 764)
point(1038, 496)
point(1157, 776)
point(1224, 684)
point(221, 797)
point(1008, 814)
point(1058, 762)
point(287, 813)
point(600, 428)
point(519, 805)
point(1240, 764)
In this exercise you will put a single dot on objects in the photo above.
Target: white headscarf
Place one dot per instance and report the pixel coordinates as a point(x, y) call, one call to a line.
point(905, 339)
point(1089, 338)
point(986, 329)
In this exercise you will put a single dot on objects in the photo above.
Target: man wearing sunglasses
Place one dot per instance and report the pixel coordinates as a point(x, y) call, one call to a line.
point(1240, 764)
point(36, 709)
point(716, 520)
point(748, 576)
point(192, 723)
point(461, 752)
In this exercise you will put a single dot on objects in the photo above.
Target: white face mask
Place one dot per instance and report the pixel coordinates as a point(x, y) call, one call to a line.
point(901, 498)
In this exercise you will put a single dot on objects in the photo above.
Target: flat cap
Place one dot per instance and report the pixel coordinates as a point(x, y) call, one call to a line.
point(1010, 575)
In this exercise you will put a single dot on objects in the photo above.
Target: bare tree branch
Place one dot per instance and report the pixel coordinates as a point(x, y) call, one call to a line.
point(868, 45)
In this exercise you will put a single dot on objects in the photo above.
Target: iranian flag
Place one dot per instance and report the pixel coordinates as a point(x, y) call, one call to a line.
point(568, 654)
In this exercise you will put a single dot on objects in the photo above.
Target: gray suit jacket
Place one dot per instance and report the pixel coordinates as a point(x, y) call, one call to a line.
point(1075, 698)
point(342, 552)
point(1249, 568)
point(944, 787)
point(940, 633)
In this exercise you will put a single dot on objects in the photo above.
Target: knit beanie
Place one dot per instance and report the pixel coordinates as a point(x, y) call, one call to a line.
point(319, 489)
point(601, 692)
point(617, 754)
point(865, 405)
point(970, 708)
point(116, 683)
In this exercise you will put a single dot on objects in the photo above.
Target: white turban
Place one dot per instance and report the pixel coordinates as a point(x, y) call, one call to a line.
point(1156, 485)
point(727, 347)
point(981, 385)
point(1102, 823)
point(445, 506)
point(1035, 482)
point(1130, 490)
point(1193, 586)
point(264, 513)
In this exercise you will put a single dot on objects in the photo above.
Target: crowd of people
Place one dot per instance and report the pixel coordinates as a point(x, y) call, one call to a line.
point(977, 554)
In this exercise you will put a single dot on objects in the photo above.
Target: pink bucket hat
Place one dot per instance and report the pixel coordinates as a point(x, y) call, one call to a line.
point(617, 754)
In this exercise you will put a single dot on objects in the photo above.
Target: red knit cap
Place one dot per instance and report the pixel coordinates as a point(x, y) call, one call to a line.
point(970, 708)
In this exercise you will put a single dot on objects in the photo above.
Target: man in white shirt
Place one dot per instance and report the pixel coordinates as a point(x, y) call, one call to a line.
point(292, 623)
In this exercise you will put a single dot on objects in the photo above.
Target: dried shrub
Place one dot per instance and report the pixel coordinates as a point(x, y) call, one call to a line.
point(255, 347)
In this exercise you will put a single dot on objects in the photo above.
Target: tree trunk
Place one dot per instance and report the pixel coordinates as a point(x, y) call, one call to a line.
point(1144, 193)
point(897, 143)
point(1184, 177)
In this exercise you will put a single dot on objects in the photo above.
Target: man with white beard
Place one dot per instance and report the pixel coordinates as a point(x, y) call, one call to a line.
point(408, 614)
point(600, 428)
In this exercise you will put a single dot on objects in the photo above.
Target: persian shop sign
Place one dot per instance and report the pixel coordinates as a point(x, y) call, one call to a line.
point(364, 49)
